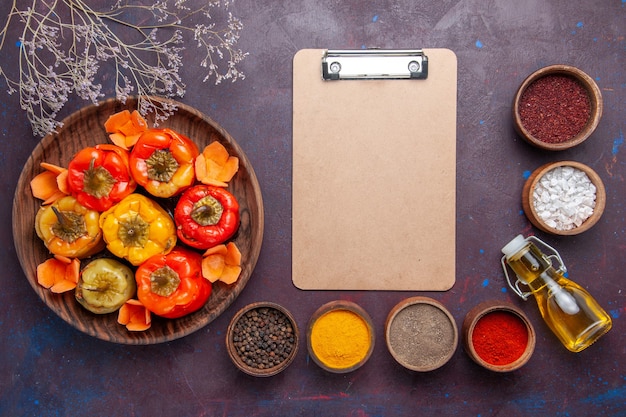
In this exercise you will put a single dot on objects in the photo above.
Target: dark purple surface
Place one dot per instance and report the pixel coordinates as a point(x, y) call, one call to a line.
point(50, 369)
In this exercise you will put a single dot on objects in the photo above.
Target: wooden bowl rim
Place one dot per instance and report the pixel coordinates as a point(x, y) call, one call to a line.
point(411, 301)
point(337, 305)
point(236, 359)
point(533, 216)
point(595, 97)
point(481, 310)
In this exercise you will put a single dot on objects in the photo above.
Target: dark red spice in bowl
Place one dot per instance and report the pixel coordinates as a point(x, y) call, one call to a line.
point(555, 108)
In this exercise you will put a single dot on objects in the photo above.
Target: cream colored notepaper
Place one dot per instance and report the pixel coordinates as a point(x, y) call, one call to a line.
point(374, 178)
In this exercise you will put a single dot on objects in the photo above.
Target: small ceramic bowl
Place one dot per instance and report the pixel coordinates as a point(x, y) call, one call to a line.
point(528, 199)
point(483, 342)
point(340, 336)
point(595, 103)
point(262, 339)
point(421, 334)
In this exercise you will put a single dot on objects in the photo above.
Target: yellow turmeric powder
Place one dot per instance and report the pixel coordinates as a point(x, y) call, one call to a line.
point(340, 339)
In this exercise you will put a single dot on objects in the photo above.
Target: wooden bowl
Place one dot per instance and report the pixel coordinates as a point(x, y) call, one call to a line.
point(356, 321)
point(595, 98)
point(483, 310)
point(534, 216)
point(85, 128)
point(260, 315)
point(421, 334)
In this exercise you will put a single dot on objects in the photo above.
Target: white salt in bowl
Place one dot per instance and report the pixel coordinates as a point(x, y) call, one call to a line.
point(564, 198)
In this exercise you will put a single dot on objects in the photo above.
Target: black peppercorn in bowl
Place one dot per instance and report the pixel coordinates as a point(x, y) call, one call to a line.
point(557, 107)
point(262, 339)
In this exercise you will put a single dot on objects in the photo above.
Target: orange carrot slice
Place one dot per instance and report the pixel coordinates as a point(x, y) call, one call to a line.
point(222, 263)
point(47, 272)
point(112, 124)
point(229, 169)
point(138, 121)
point(44, 185)
point(214, 166)
point(51, 184)
point(118, 139)
point(63, 259)
point(213, 267)
point(54, 197)
point(217, 249)
point(125, 128)
point(230, 274)
point(233, 255)
point(53, 168)
point(62, 183)
point(58, 275)
point(232, 269)
point(134, 316)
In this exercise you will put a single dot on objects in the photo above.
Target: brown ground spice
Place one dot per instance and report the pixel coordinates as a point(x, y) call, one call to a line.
point(555, 108)
point(421, 335)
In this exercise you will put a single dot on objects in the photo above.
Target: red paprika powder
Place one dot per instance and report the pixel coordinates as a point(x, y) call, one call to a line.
point(500, 338)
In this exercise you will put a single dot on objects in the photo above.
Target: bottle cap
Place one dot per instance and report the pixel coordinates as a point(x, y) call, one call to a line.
point(514, 246)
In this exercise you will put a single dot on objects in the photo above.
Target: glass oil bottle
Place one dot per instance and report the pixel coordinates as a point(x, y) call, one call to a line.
point(569, 310)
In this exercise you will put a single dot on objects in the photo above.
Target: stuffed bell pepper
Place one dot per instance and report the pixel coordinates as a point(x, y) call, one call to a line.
point(172, 285)
point(162, 161)
point(137, 228)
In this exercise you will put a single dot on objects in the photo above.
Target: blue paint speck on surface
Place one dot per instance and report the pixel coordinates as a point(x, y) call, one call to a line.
point(485, 282)
point(617, 143)
point(479, 44)
point(18, 44)
point(503, 290)
point(481, 251)
point(614, 313)
point(579, 24)
point(526, 174)
point(375, 18)
point(482, 122)
point(530, 405)
point(610, 397)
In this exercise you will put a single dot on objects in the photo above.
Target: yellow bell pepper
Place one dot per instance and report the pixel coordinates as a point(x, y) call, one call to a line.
point(137, 228)
point(69, 229)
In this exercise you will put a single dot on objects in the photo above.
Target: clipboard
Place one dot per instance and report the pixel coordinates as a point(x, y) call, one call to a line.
point(374, 170)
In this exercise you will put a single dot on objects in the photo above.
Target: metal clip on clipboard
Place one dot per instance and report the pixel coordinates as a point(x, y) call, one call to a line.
point(374, 64)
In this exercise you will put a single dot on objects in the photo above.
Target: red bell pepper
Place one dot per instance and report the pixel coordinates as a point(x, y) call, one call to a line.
point(162, 161)
point(99, 176)
point(172, 285)
point(206, 216)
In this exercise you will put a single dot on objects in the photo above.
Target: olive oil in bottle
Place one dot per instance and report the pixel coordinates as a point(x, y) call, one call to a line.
point(568, 309)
